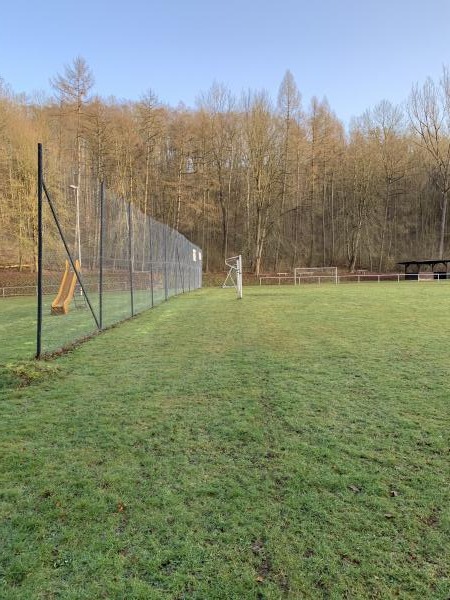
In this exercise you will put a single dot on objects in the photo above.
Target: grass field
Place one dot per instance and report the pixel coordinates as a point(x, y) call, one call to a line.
point(294, 444)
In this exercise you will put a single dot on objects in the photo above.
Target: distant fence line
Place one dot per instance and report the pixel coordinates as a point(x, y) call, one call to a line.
point(9, 291)
point(120, 286)
point(351, 278)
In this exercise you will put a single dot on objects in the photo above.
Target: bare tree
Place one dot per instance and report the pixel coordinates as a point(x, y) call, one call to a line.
point(149, 118)
point(359, 194)
point(218, 108)
point(72, 91)
point(429, 112)
point(264, 173)
point(289, 102)
point(384, 127)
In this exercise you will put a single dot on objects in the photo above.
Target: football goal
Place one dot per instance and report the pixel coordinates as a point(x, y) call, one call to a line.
point(315, 275)
point(234, 275)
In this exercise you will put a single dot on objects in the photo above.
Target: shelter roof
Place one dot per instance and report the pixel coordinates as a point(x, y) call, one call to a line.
point(428, 261)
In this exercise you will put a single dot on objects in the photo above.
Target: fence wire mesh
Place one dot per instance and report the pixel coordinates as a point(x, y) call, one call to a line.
point(125, 262)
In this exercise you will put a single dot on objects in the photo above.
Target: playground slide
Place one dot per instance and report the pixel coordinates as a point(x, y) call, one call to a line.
point(60, 305)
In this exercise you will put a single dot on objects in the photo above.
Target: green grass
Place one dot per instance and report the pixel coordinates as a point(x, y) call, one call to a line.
point(17, 329)
point(18, 321)
point(294, 444)
point(62, 330)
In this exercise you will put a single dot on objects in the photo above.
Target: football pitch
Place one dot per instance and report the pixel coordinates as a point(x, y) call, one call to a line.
point(292, 444)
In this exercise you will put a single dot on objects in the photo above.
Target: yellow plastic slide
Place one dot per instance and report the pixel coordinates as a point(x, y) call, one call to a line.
point(60, 305)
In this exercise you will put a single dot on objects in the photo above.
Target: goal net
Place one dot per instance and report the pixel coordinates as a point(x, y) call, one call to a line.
point(234, 275)
point(315, 275)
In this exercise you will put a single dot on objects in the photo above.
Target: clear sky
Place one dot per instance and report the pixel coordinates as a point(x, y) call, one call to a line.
point(354, 52)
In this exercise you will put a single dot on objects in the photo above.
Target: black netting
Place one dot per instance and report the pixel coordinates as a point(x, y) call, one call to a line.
point(126, 262)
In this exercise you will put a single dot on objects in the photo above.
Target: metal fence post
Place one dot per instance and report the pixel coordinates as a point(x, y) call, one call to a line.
point(130, 254)
point(151, 256)
point(166, 288)
point(176, 266)
point(39, 265)
point(181, 271)
point(100, 287)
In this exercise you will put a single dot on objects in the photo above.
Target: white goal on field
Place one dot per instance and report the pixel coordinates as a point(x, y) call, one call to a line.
point(234, 275)
point(315, 274)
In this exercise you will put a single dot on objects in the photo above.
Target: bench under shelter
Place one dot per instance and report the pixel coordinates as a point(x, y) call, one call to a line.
point(437, 266)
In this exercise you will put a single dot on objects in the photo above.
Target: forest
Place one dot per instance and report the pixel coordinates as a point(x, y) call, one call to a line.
point(283, 184)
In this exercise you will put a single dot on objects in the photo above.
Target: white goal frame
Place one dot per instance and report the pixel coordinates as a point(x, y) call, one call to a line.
point(234, 275)
point(308, 272)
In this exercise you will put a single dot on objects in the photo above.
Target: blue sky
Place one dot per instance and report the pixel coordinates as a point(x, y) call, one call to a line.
point(355, 53)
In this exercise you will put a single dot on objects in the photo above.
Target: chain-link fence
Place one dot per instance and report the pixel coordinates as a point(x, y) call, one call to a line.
point(101, 261)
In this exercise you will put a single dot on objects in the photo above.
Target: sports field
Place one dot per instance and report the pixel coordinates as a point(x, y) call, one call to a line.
point(294, 444)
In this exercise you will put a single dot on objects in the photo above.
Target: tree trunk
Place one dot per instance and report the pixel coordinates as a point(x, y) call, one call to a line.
point(443, 224)
point(224, 212)
point(383, 232)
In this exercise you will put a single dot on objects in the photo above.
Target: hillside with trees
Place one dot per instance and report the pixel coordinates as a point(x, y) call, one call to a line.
point(282, 183)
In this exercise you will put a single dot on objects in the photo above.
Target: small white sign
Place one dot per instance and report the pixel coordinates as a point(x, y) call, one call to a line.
point(199, 255)
point(194, 254)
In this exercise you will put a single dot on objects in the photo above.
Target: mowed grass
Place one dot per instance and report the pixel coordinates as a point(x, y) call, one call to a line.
point(294, 444)
point(17, 329)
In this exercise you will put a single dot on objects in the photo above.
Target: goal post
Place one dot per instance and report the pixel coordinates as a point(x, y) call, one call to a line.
point(234, 275)
point(315, 273)
point(239, 274)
